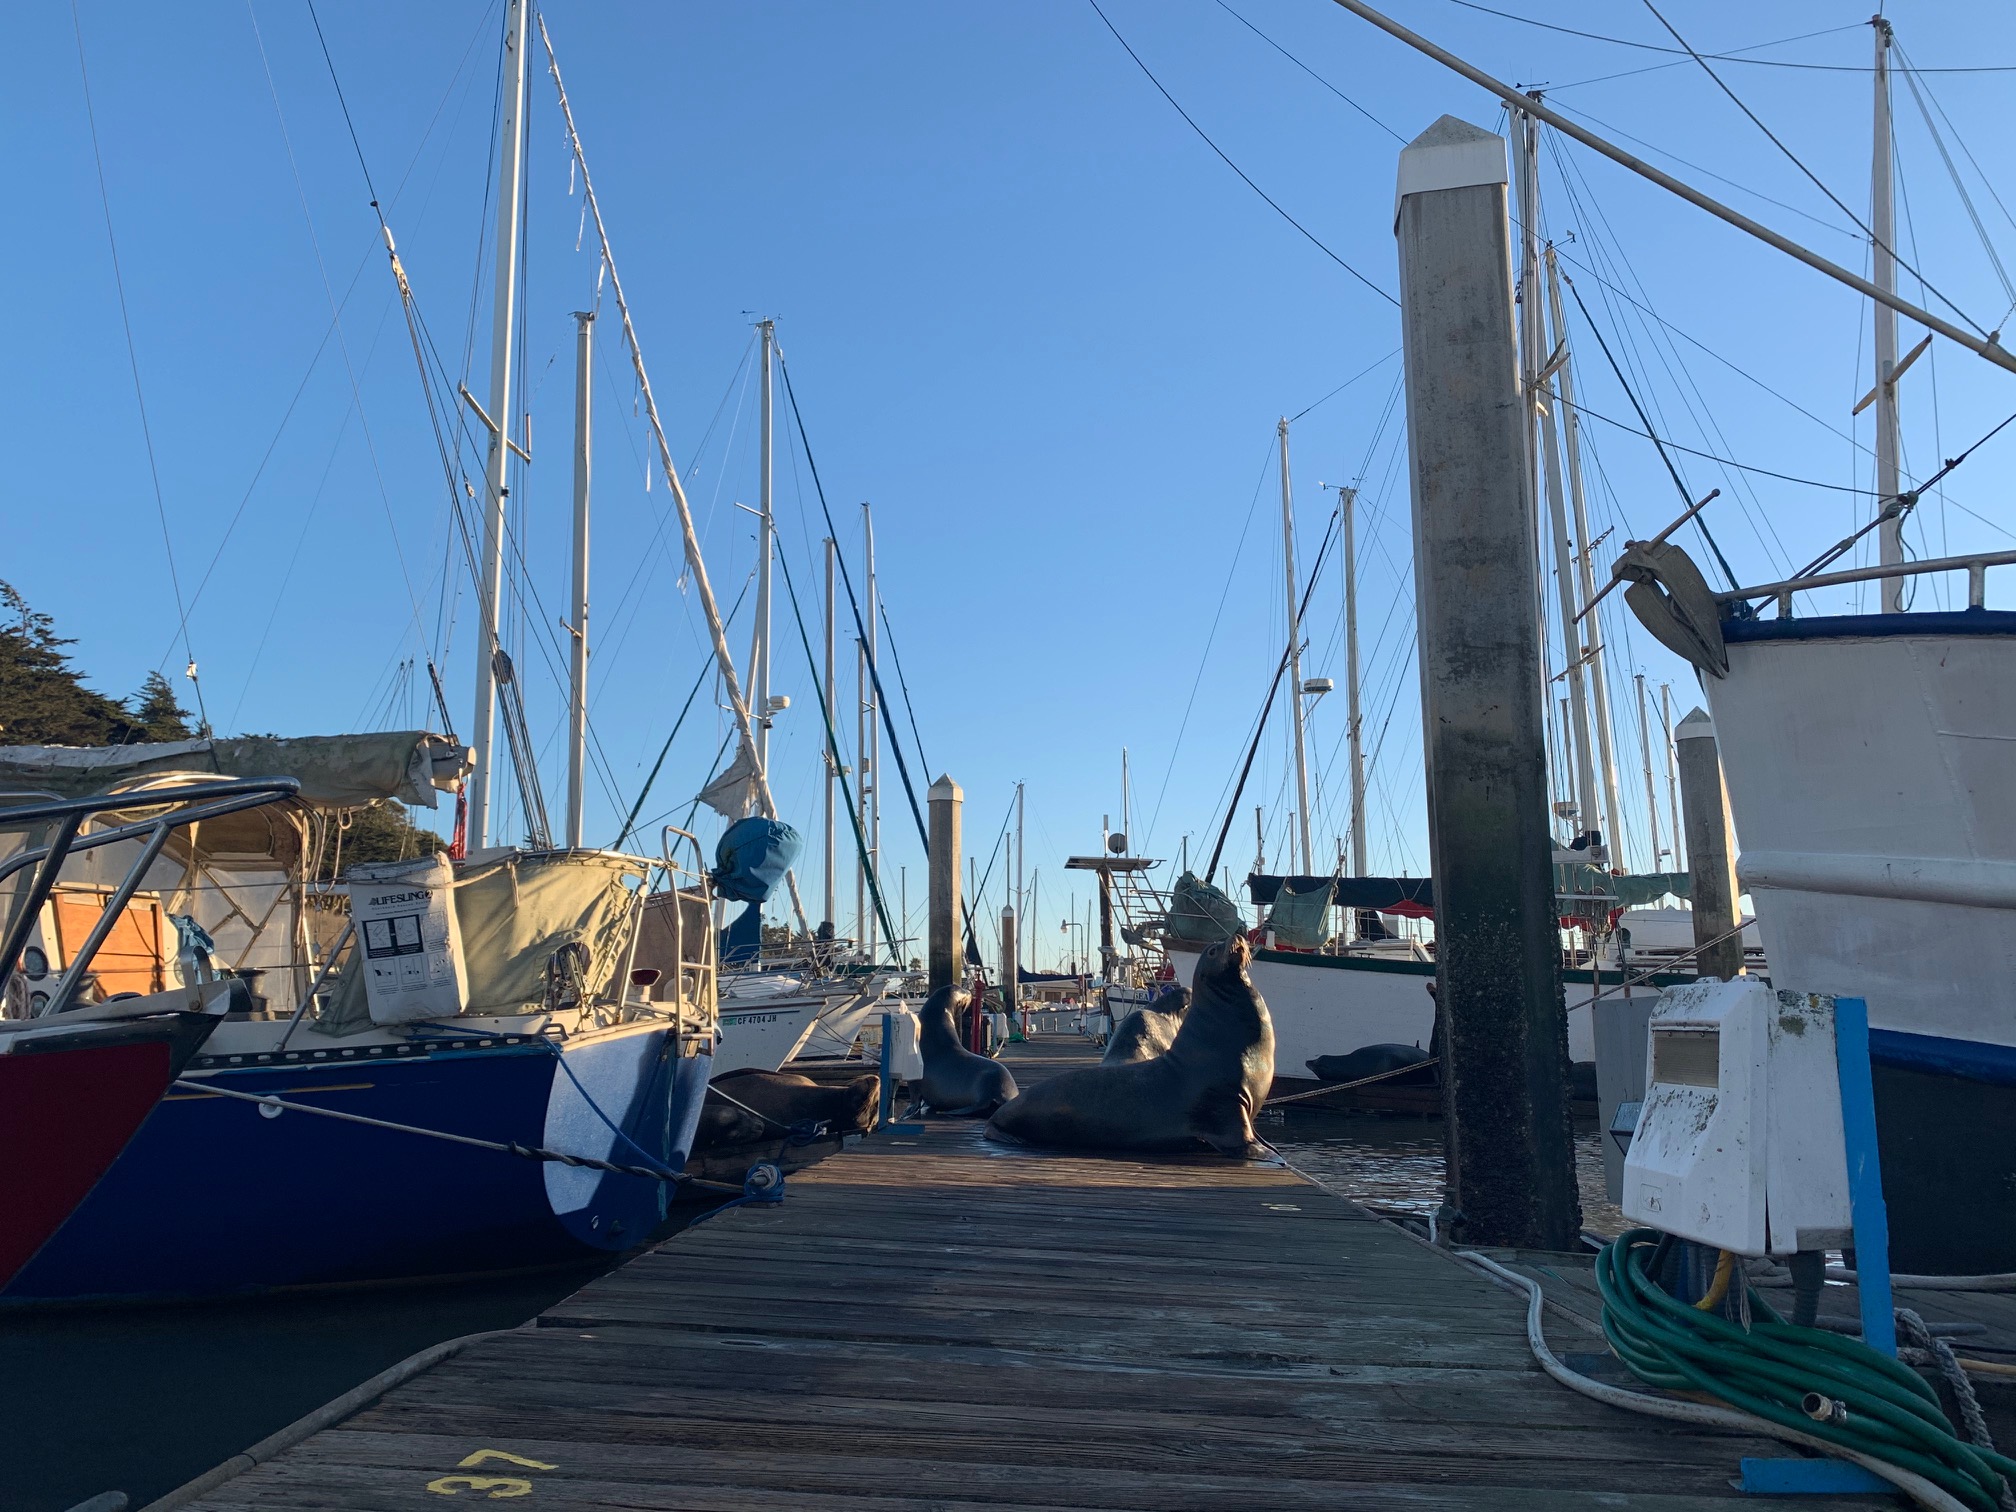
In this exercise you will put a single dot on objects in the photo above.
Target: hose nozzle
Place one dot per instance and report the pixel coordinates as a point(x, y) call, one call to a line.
point(1824, 1409)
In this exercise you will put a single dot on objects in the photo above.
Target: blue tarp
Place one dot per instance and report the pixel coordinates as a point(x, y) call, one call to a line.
point(752, 858)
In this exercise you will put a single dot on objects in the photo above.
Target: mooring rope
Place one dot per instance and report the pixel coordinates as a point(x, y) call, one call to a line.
point(1363, 1081)
point(502, 1147)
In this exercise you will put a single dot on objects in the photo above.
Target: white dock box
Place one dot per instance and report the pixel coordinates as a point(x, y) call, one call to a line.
point(408, 942)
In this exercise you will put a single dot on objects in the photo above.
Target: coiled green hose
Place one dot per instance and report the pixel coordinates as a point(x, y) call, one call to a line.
point(1834, 1388)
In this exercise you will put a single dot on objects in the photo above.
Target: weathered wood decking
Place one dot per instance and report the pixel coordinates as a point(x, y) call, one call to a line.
point(931, 1321)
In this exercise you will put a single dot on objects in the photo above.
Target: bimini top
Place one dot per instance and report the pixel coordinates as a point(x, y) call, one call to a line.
point(335, 771)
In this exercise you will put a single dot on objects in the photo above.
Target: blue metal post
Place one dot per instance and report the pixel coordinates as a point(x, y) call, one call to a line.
point(1865, 1174)
point(1820, 1477)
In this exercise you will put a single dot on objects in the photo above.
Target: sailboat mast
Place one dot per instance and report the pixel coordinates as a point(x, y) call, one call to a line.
point(1672, 777)
point(1883, 217)
point(1021, 893)
point(1585, 564)
point(1348, 498)
point(872, 784)
point(1540, 426)
point(1294, 657)
point(504, 311)
point(1651, 803)
point(832, 760)
point(759, 661)
point(577, 701)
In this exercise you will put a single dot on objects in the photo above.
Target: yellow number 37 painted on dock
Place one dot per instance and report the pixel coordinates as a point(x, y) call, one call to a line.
point(494, 1487)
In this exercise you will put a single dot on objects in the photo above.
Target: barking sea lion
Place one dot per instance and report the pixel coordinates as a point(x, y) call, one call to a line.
point(1206, 1088)
point(956, 1081)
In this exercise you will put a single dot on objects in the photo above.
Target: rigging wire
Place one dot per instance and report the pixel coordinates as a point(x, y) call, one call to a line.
point(1686, 497)
point(1793, 157)
point(706, 670)
point(1314, 240)
point(1689, 390)
point(1311, 72)
point(1727, 57)
point(133, 361)
point(1959, 185)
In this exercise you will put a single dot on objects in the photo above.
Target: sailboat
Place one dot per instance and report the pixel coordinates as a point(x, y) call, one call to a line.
point(447, 1066)
point(1871, 770)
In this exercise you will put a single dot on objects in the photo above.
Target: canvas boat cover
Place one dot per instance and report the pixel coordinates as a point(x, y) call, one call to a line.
point(1200, 914)
point(1300, 917)
point(335, 771)
point(752, 857)
point(516, 914)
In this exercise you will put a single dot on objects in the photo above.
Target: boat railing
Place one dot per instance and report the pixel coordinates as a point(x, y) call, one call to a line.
point(696, 981)
point(1975, 566)
point(185, 806)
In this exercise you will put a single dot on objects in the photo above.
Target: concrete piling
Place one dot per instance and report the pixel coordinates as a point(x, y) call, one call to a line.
point(1498, 955)
point(942, 961)
point(1711, 847)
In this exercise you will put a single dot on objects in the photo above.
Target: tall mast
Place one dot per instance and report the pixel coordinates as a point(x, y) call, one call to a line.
point(1348, 498)
point(1672, 777)
point(766, 530)
point(1021, 895)
point(1651, 803)
point(1126, 800)
point(504, 310)
point(1294, 658)
point(1585, 565)
point(1540, 418)
point(832, 760)
point(1890, 534)
point(577, 702)
point(872, 784)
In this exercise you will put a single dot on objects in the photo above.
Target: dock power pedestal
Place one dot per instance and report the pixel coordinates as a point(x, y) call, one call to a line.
point(1739, 1142)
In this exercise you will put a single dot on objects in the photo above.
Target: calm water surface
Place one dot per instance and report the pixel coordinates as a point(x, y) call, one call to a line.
point(1393, 1162)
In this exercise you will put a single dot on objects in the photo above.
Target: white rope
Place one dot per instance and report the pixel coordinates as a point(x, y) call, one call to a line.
point(502, 1147)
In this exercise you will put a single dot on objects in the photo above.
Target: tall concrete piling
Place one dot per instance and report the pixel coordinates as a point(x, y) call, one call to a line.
point(1498, 951)
point(942, 933)
point(1711, 848)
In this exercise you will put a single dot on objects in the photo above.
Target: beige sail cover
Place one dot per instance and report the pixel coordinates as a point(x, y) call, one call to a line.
point(514, 915)
point(335, 771)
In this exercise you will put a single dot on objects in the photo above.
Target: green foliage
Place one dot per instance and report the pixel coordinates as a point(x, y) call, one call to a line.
point(43, 700)
point(160, 717)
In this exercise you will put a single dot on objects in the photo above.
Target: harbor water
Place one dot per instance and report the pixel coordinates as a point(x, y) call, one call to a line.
point(1394, 1164)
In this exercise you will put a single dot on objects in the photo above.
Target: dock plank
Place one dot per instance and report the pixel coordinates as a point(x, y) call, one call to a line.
point(932, 1322)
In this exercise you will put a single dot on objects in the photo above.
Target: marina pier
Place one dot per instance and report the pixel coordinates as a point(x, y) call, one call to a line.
point(931, 1320)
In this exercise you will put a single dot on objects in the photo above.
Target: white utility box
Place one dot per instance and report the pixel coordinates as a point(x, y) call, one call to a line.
point(1739, 1141)
point(905, 1054)
point(408, 942)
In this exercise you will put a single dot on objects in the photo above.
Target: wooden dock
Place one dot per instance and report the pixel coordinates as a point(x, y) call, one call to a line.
point(931, 1321)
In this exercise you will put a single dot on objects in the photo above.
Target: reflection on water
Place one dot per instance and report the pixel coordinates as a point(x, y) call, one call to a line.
point(1393, 1162)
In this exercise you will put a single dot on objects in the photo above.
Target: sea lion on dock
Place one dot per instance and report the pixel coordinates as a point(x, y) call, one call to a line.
point(956, 1081)
point(752, 1107)
point(1148, 1032)
point(1205, 1089)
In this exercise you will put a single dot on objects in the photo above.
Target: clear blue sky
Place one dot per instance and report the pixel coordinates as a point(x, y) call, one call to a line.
point(1029, 314)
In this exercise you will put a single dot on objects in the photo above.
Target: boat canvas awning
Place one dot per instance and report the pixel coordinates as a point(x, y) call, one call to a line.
point(1411, 897)
point(335, 771)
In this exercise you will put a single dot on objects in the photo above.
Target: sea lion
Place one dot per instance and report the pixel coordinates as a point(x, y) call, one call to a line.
point(751, 1107)
point(1148, 1032)
point(1373, 1060)
point(1206, 1088)
point(956, 1081)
